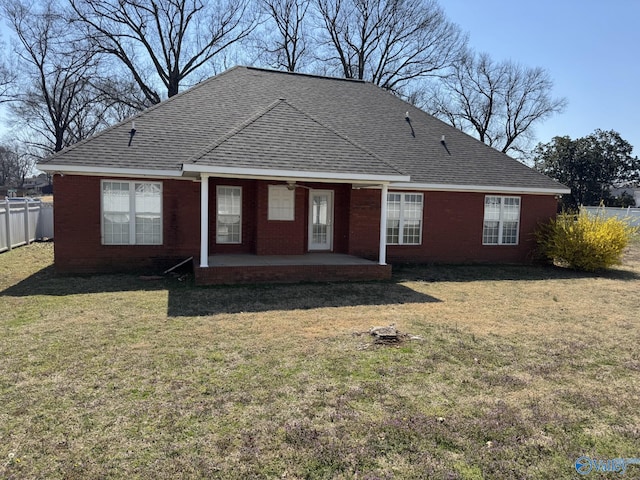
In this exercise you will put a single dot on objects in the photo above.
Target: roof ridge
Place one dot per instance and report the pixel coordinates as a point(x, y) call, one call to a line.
point(234, 131)
point(304, 74)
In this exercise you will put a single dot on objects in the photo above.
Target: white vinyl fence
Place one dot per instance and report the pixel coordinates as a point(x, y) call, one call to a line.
point(22, 221)
point(632, 215)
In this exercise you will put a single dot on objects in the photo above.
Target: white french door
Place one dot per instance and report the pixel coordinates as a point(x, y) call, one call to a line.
point(321, 220)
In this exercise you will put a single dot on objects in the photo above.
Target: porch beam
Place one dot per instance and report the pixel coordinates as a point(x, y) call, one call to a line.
point(382, 257)
point(204, 220)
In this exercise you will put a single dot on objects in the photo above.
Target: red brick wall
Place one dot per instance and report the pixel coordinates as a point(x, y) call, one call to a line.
point(292, 237)
point(364, 216)
point(250, 209)
point(280, 237)
point(452, 230)
point(452, 227)
point(78, 246)
point(342, 207)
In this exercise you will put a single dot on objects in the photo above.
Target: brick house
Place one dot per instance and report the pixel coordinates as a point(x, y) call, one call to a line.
point(267, 175)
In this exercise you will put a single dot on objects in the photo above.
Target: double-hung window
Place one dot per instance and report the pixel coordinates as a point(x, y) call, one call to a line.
point(229, 214)
point(404, 218)
point(131, 213)
point(501, 220)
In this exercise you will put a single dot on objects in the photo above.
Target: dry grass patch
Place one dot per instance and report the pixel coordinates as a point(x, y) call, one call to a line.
point(520, 370)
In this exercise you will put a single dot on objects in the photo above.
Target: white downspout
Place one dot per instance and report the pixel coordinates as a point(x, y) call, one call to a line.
point(204, 220)
point(382, 258)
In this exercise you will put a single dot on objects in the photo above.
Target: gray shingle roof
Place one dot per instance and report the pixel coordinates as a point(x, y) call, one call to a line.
point(264, 119)
point(265, 142)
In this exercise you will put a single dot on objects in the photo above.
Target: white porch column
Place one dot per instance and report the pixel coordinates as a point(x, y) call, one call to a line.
point(204, 220)
point(382, 258)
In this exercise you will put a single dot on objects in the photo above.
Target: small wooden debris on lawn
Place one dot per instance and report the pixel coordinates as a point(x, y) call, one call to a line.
point(173, 271)
point(178, 265)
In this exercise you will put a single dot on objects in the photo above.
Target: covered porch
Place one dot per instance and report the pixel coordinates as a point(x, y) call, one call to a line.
point(275, 225)
point(311, 267)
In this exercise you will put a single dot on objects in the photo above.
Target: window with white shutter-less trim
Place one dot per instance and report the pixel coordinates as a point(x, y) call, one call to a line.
point(131, 213)
point(501, 220)
point(229, 214)
point(404, 218)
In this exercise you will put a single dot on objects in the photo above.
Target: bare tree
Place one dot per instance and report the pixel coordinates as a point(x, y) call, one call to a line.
point(56, 68)
point(284, 36)
point(7, 79)
point(164, 39)
point(16, 164)
point(7, 165)
point(7, 75)
point(122, 96)
point(389, 42)
point(499, 102)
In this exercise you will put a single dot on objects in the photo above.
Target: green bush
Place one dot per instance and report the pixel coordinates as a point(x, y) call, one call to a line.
point(584, 241)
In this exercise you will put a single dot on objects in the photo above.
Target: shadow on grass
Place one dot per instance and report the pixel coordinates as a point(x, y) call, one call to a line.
point(185, 299)
point(305, 296)
point(471, 273)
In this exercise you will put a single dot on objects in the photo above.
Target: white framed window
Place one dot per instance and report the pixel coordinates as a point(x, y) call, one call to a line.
point(501, 220)
point(281, 203)
point(131, 213)
point(404, 218)
point(229, 214)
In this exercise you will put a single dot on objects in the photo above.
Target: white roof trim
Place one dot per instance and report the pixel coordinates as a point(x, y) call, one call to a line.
point(479, 188)
point(126, 172)
point(396, 182)
point(260, 173)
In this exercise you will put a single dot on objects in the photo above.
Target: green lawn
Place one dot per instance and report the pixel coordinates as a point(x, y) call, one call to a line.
point(519, 371)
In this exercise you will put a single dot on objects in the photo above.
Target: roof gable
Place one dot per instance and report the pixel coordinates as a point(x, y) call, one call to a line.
point(282, 137)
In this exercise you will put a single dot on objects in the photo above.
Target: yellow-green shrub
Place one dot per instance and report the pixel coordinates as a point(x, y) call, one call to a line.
point(584, 241)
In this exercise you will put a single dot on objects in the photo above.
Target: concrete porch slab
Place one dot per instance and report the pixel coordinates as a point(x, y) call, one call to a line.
point(235, 260)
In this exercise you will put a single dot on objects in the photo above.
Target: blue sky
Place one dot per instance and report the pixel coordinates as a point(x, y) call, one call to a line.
point(591, 50)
